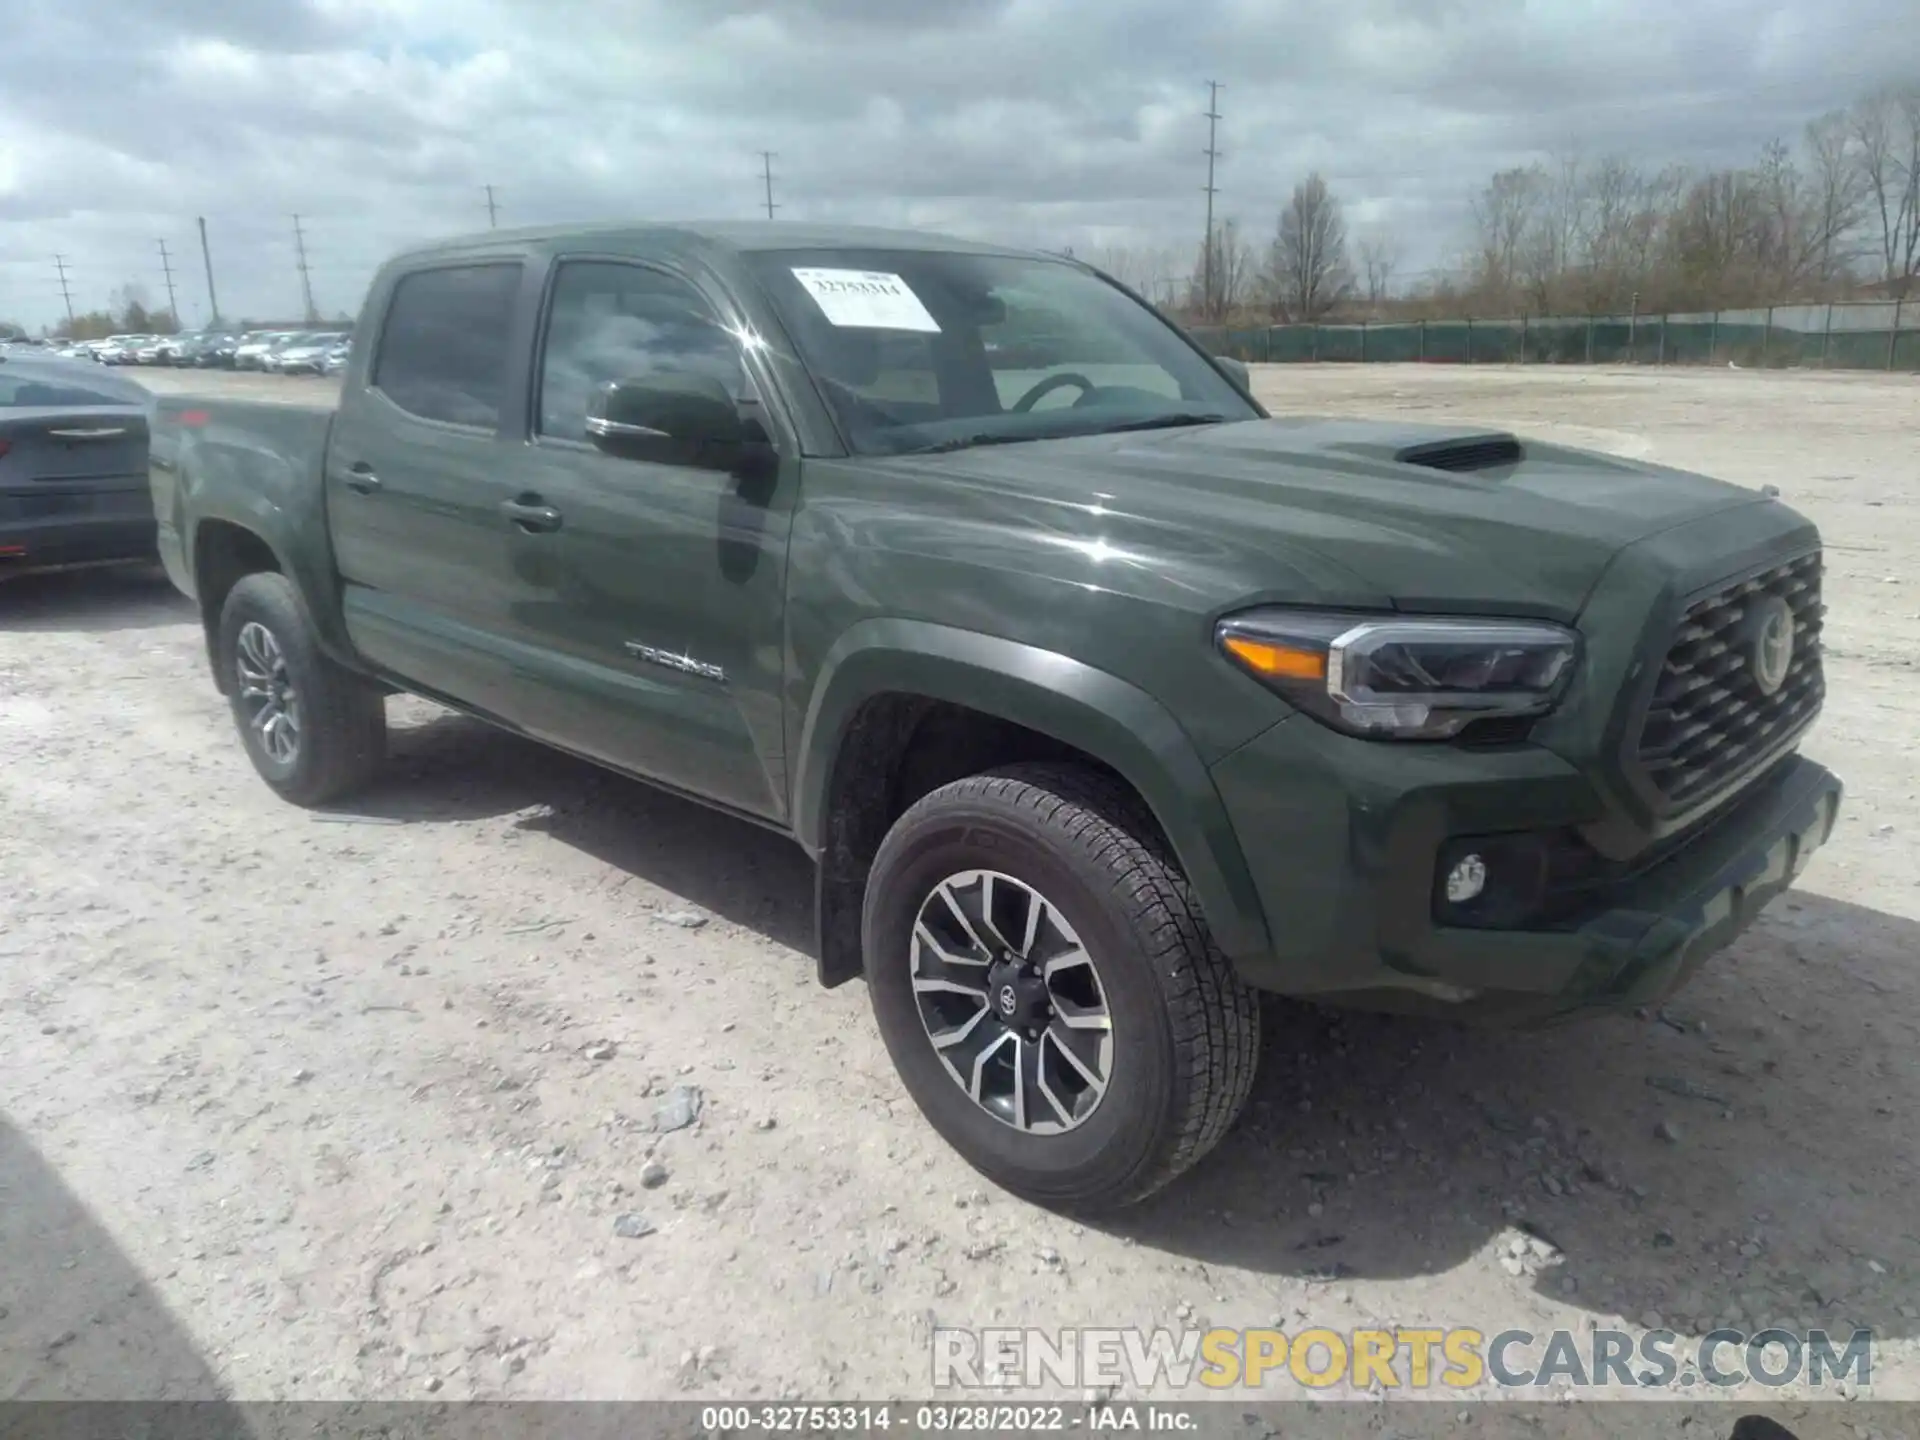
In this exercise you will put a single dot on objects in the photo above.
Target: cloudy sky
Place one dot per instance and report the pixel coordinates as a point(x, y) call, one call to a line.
point(1051, 122)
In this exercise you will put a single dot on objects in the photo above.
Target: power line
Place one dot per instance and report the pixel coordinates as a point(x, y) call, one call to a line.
point(213, 301)
point(66, 291)
point(166, 267)
point(493, 210)
point(766, 171)
point(306, 275)
point(1213, 154)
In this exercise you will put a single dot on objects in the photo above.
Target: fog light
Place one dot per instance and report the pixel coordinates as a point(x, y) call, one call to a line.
point(1466, 880)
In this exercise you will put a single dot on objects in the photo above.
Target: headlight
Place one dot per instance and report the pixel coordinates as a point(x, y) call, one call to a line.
point(1398, 678)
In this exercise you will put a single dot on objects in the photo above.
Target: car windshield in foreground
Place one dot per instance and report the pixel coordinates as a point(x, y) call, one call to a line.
point(919, 351)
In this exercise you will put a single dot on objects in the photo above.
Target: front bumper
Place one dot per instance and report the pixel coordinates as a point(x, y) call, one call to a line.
point(1342, 838)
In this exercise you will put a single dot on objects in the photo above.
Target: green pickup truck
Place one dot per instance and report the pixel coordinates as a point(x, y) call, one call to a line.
point(1102, 699)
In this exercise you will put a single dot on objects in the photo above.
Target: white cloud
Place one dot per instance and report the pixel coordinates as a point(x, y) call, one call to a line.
point(1040, 121)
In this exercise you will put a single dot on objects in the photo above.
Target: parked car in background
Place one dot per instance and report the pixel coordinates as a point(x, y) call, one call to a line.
point(220, 354)
point(73, 467)
point(302, 355)
point(251, 354)
point(336, 358)
point(181, 349)
point(270, 361)
point(154, 350)
point(118, 349)
point(197, 350)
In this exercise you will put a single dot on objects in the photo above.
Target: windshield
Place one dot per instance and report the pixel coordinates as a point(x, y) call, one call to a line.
point(919, 350)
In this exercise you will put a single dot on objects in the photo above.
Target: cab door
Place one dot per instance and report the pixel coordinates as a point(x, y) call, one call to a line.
point(664, 628)
point(421, 483)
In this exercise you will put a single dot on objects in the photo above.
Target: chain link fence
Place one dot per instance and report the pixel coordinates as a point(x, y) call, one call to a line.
point(1872, 336)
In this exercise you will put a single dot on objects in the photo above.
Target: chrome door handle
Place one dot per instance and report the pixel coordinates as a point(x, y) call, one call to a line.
point(531, 516)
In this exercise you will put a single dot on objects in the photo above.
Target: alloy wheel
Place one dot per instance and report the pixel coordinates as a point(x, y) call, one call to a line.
point(267, 693)
point(1012, 1002)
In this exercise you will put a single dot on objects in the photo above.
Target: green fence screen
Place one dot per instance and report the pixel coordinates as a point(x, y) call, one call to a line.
point(1840, 337)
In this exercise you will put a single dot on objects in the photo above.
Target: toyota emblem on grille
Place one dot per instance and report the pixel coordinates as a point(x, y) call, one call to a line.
point(1771, 652)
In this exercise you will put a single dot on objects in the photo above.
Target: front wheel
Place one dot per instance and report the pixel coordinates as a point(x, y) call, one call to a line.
point(314, 730)
point(1047, 988)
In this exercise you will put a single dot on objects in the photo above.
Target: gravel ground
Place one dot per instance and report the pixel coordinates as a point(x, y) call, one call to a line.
point(378, 1103)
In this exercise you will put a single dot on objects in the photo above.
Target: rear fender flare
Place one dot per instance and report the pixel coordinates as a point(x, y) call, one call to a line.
point(1108, 718)
point(206, 494)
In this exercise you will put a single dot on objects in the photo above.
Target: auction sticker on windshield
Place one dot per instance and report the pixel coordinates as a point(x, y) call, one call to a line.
point(866, 300)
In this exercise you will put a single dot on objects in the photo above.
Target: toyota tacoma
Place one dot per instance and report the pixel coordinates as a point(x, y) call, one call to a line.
point(1101, 698)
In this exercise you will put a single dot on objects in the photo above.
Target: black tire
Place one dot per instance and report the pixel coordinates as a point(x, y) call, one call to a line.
point(1185, 1029)
point(342, 735)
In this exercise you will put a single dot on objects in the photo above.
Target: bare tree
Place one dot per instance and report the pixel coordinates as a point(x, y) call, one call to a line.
point(1307, 270)
point(1886, 130)
point(1628, 214)
point(1126, 263)
point(1155, 271)
point(1554, 233)
point(1229, 270)
point(1379, 259)
point(1835, 196)
point(1504, 216)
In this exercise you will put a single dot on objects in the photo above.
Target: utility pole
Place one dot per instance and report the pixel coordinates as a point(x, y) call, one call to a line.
point(166, 267)
point(1213, 154)
point(493, 211)
point(213, 301)
point(306, 276)
point(66, 291)
point(766, 172)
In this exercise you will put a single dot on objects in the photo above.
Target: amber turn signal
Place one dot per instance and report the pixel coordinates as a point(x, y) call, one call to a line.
point(1280, 662)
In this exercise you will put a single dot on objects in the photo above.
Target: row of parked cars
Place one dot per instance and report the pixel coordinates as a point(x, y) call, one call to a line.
point(281, 352)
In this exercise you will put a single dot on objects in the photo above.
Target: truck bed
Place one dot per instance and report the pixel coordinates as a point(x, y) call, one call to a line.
point(255, 464)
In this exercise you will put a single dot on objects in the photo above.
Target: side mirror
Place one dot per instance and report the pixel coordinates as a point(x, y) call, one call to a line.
point(668, 419)
point(1236, 371)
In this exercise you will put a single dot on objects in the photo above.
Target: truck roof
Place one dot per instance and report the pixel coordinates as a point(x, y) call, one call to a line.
point(736, 235)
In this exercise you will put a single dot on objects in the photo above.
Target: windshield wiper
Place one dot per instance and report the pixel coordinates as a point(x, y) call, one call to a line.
point(1167, 422)
point(967, 442)
point(1156, 422)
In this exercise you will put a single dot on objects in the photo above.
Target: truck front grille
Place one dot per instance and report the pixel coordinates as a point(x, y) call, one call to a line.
point(1711, 717)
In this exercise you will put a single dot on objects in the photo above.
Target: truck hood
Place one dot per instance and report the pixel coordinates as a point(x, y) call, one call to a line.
point(1278, 500)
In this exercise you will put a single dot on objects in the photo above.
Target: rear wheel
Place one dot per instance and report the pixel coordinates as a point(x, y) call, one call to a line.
point(314, 730)
point(1047, 989)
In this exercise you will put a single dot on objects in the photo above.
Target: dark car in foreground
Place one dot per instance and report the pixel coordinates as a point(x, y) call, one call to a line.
point(73, 467)
point(1101, 698)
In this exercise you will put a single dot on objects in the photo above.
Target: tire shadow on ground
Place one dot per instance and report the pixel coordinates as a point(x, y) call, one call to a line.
point(1735, 1159)
point(445, 767)
point(1739, 1158)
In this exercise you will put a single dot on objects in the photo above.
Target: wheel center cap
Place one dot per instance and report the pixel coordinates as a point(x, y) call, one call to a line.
point(1019, 1000)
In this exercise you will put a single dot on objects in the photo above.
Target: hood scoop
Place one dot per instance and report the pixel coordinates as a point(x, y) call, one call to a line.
point(1464, 454)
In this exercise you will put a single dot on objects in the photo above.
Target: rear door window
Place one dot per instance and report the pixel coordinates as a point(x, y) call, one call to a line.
point(443, 349)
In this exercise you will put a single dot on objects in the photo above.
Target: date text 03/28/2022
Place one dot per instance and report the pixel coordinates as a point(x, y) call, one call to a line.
point(963, 1418)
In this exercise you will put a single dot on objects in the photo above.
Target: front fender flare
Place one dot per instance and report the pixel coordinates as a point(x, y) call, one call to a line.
point(1115, 722)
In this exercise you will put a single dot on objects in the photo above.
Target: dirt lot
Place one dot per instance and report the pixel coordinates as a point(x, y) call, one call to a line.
point(351, 1105)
